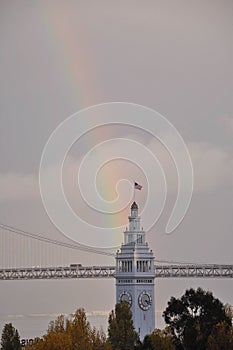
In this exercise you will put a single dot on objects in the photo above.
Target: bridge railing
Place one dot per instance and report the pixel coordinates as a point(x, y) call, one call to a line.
point(194, 271)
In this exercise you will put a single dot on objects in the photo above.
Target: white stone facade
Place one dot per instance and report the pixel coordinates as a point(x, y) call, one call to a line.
point(135, 275)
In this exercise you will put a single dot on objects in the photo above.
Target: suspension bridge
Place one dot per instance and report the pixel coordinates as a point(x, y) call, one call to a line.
point(33, 256)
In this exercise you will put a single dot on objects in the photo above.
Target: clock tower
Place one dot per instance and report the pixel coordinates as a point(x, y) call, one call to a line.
point(135, 275)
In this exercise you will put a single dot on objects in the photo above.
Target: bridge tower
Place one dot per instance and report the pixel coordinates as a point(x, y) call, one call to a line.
point(135, 275)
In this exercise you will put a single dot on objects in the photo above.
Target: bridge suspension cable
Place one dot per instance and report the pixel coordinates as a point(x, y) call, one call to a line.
point(43, 238)
point(85, 248)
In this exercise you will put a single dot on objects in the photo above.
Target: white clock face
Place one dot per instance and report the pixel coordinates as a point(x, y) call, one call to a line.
point(126, 296)
point(145, 301)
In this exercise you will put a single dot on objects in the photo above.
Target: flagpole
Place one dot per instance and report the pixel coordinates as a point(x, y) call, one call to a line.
point(134, 191)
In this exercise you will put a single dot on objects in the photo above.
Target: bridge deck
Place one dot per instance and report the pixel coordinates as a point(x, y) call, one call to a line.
point(164, 271)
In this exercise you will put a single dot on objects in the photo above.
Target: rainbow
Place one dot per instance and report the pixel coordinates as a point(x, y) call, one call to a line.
point(76, 64)
point(71, 51)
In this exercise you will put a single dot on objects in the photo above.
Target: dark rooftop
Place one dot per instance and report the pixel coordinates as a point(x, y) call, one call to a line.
point(134, 205)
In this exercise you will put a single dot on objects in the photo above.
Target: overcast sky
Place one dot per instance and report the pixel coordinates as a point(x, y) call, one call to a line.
point(58, 57)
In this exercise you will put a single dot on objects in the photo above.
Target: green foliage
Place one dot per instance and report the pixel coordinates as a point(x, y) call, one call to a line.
point(10, 338)
point(193, 317)
point(121, 333)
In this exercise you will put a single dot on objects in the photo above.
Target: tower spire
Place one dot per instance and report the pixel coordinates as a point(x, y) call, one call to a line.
point(134, 234)
point(134, 209)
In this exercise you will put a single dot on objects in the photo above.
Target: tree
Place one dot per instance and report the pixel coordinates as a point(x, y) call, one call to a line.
point(229, 311)
point(80, 331)
point(99, 340)
point(193, 317)
point(221, 337)
point(36, 345)
point(159, 340)
point(121, 333)
point(10, 338)
point(74, 333)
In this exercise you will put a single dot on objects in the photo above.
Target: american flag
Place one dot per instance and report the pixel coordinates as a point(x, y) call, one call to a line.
point(137, 186)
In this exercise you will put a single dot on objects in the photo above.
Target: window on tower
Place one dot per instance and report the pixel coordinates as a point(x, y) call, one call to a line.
point(144, 281)
point(125, 266)
point(125, 281)
point(143, 266)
